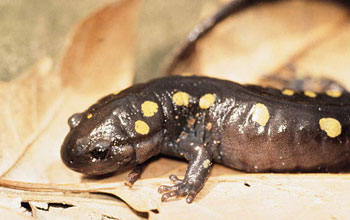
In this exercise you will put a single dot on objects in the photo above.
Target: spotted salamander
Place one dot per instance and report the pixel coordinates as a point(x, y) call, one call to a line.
point(206, 121)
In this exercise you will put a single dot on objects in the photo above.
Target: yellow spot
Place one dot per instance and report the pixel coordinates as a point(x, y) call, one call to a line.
point(288, 92)
point(186, 74)
point(149, 108)
point(181, 98)
point(261, 114)
point(141, 127)
point(206, 163)
point(206, 101)
point(89, 116)
point(116, 92)
point(208, 126)
point(310, 94)
point(334, 93)
point(331, 126)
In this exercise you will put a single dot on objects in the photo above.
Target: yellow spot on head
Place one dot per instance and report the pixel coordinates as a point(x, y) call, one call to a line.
point(186, 74)
point(89, 116)
point(116, 92)
point(141, 127)
point(181, 98)
point(206, 101)
point(331, 126)
point(334, 93)
point(288, 92)
point(261, 114)
point(310, 94)
point(206, 163)
point(149, 108)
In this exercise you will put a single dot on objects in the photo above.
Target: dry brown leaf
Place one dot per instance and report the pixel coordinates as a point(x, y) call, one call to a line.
point(245, 196)
point(100, 56)
point(267, 197)
point(329, 59)
point(13, 206)
point(108, 37)
point(28, 103)
point(267, 37)
point(67, 213)
point(44, 152)
point(42, 198)
point(91, 209)
point(7, 213)
point(99, 60)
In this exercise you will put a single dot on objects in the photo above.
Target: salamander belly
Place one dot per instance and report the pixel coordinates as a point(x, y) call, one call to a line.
point(285, 138)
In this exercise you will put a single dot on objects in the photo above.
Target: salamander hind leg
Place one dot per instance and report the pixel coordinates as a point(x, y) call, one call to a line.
point(289, 78)
point(196, 174)
point(320, 85)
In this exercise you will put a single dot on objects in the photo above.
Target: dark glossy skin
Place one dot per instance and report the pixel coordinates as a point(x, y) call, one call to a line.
point(233, 130)
point(248, 128)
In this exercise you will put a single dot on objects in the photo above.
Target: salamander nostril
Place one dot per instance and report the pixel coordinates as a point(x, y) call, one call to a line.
point(100, 150)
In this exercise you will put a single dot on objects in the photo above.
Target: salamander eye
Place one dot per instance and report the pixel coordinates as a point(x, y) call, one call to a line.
point(74, 120)
point(100, 150)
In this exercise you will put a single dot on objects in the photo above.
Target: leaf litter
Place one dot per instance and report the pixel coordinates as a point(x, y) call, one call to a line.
point(99, 60)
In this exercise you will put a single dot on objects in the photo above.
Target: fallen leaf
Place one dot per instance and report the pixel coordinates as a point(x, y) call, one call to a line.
point(245, 196)
point(29, 104)
point(269, 36)
point(91, 210)
point(12, 214)
point(99, 60)
point(268, 196)
point(38, 104)
point(328, 59)
point(76, 97)
point(43, 197)
point(67, 213)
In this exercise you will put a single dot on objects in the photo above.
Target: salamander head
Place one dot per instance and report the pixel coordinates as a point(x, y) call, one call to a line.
point(95, 145)
point(110, 136)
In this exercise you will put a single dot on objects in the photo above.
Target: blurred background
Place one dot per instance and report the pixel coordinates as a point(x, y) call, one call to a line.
point(33, 29)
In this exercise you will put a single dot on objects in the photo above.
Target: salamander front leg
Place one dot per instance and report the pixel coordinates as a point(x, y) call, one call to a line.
point(195, 177)
point(134, 175)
